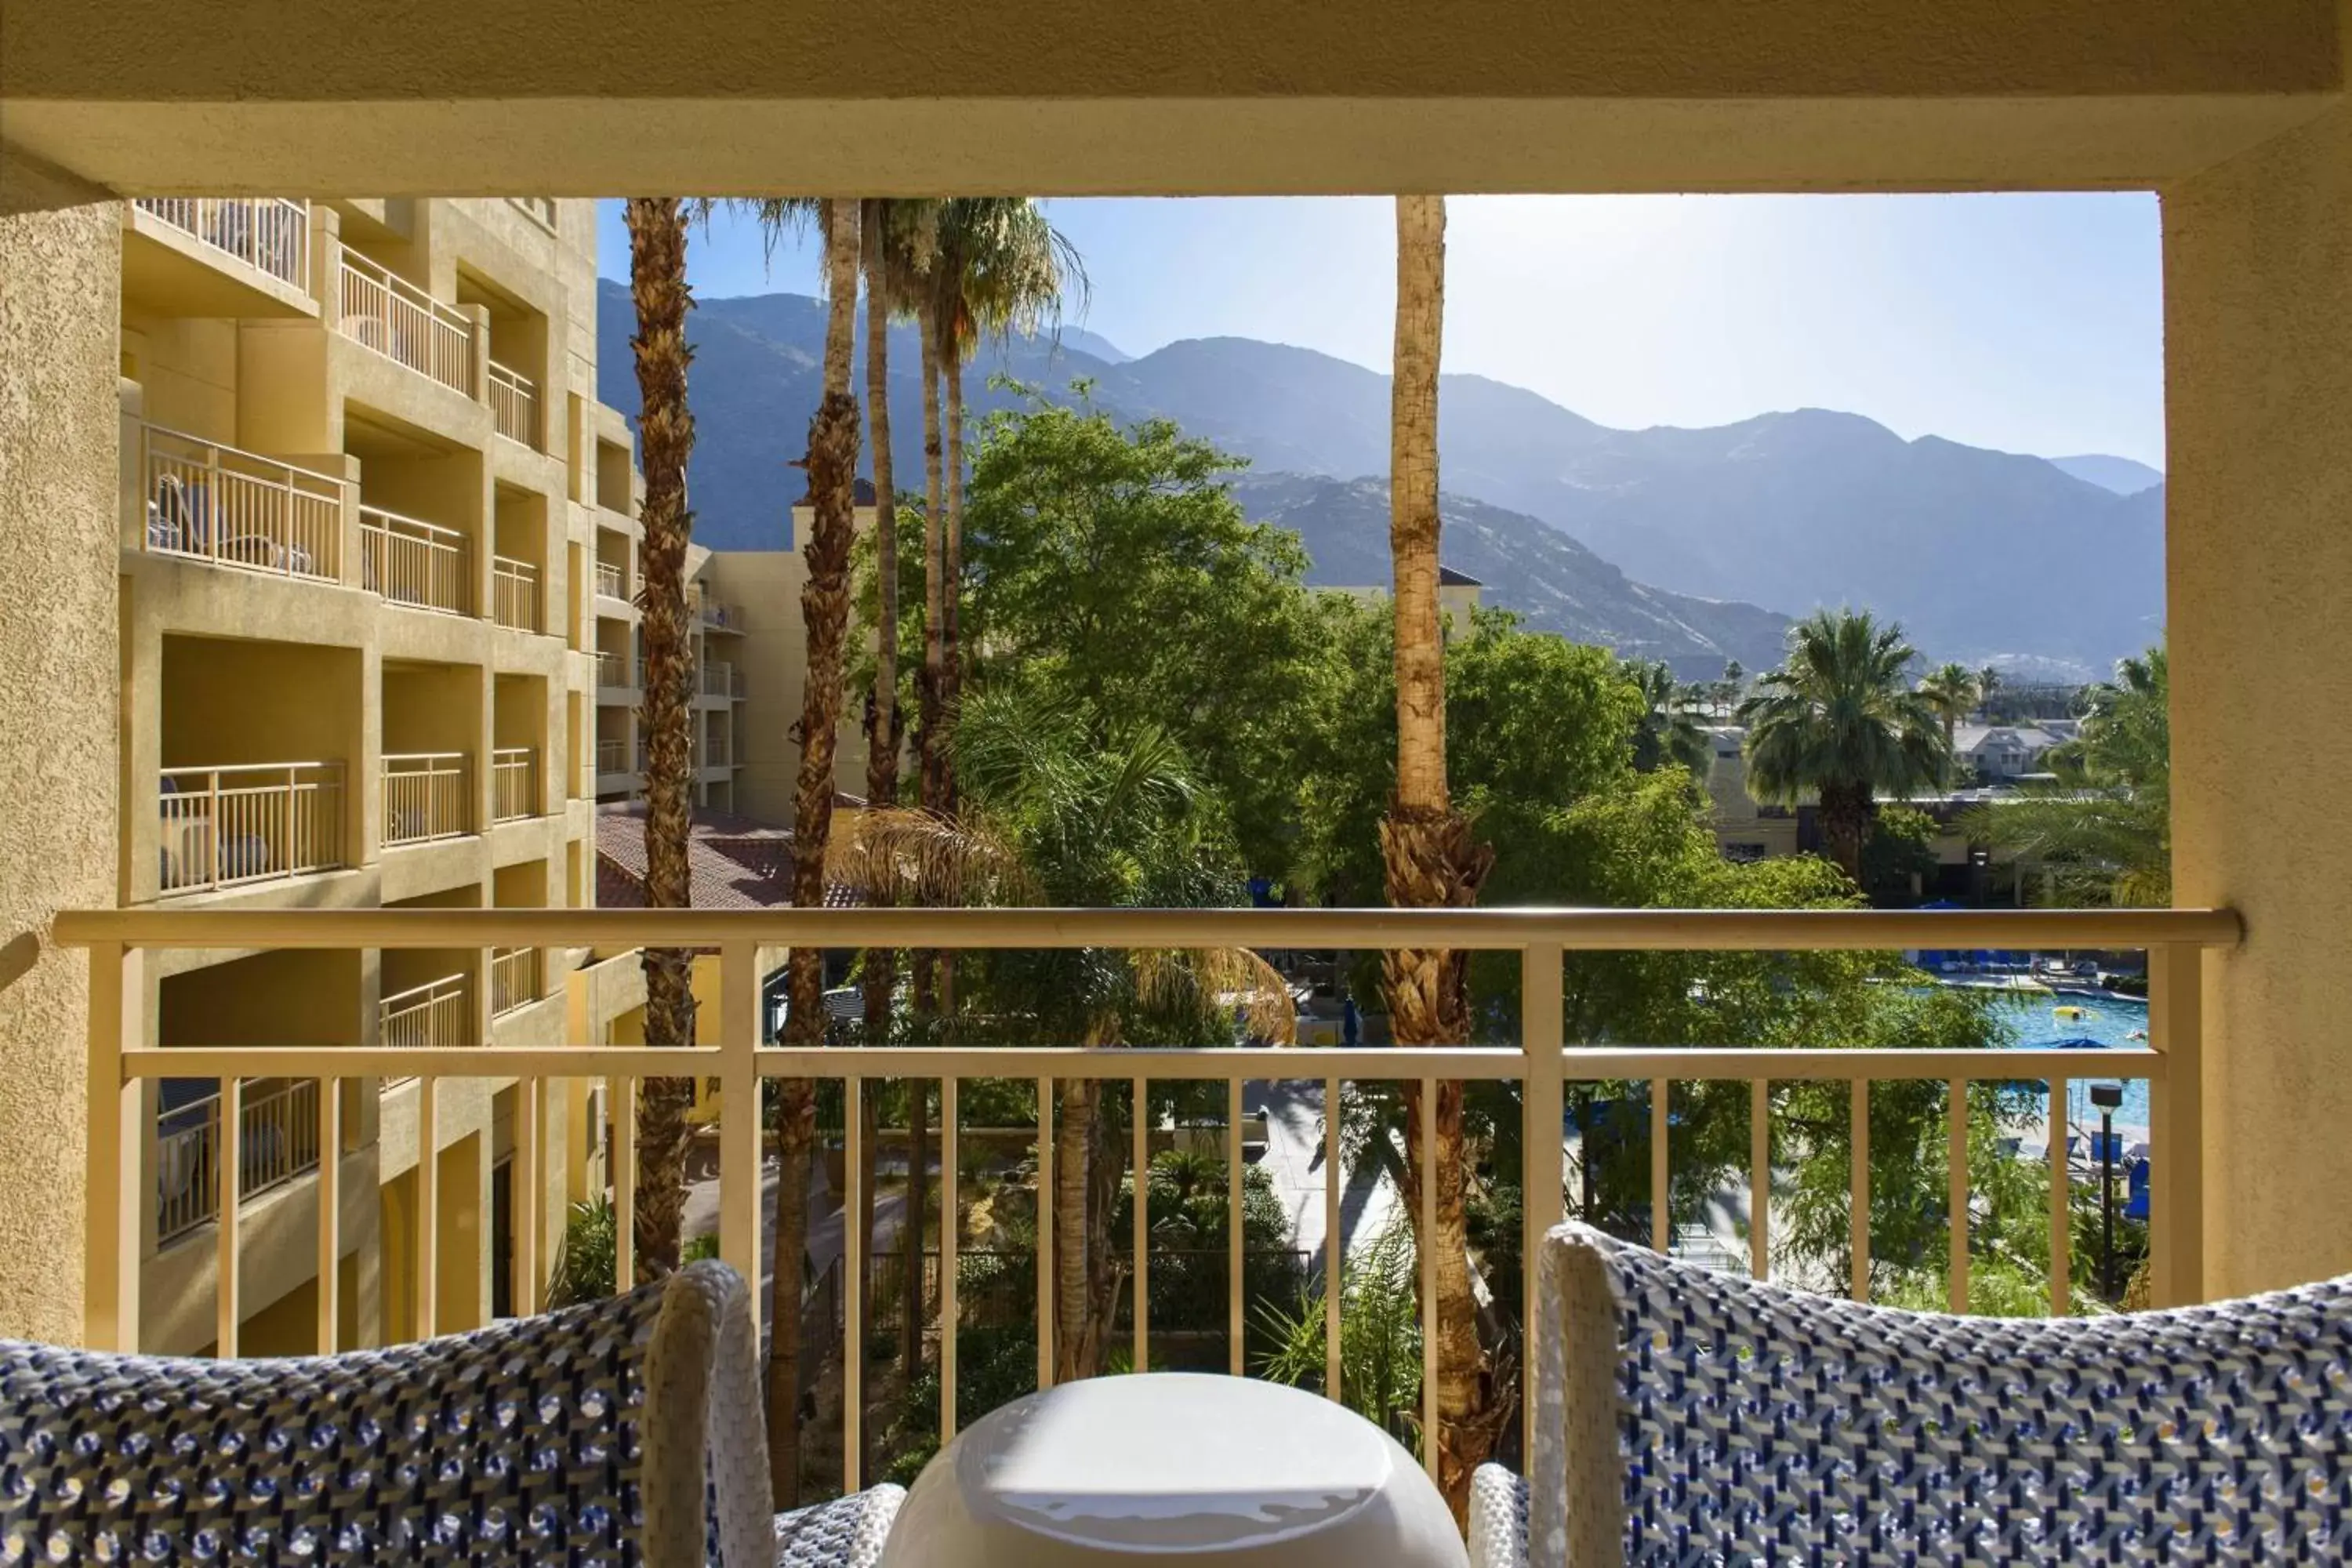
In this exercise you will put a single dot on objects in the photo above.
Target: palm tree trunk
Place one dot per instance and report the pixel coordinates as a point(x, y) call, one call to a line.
point(658, 287)
point(952, 650)
point(932, 741)
point(1845, 824)
point(825, 611)
point(1077, 1338)
point(1430, 858)
point(883, 722)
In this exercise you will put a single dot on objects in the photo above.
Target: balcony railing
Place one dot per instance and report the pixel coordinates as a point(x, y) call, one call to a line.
point(417, 564)
point(1536, 1072)
point(435, 1015)
point(205, 501)
point(612, 756)
point(426, 795)
point(618, 670)
point(223, 828)
point(717, 678)
point(514, 783)
point(269, 234)
point(278, 1140)
point(608, 581)
point(514, 593)
point(717, 751)
point(385, 312)
point(514, 978)
point(514, 403)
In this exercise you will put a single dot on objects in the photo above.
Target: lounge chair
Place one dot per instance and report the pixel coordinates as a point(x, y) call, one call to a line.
point(1687, 1416)
point(626, 1431)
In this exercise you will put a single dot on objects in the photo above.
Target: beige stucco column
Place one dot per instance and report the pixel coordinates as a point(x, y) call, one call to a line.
point(2258, 329)
point(60, 277)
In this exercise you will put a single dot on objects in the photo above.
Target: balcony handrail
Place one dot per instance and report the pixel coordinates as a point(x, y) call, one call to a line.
point(514, 403)
point(514, 978)
point(207, 500)
point(514, 586)
point(412, 562)
point(269, 234)
point(608, 579)
point(278, 1142)
point(1487, 929)
point(425, 796)
point(249, 822)
point(612, 756)
point(514, 791)
point(382, 311)
point(1543, 1062)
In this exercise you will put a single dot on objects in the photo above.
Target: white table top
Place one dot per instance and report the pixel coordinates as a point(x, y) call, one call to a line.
point(1204, 1468)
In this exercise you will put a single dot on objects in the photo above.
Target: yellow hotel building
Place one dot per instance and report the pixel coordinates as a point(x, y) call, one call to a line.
point(378, 649)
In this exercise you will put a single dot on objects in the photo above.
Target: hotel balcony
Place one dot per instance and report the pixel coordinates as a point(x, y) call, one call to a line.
point(202, 501)
point(514, 403)
point(382, 311)
point(717, 678)
point(229, 826)
point(415, 565)
point(277, 1141)
point(514, 594)
point(427, 1033)
point(427, 796)
point(218, 256)
point(514, 784)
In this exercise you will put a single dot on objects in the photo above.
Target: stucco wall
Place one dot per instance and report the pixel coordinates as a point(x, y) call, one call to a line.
point(597, 96)
point(59, 279)
point(2258, 347)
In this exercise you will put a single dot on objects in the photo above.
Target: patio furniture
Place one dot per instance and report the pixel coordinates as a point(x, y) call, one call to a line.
point(1186, 1470)
point(1688, 1416)
point(628, 1430)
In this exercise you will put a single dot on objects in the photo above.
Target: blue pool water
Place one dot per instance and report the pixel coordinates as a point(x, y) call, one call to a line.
point(2111, 1021)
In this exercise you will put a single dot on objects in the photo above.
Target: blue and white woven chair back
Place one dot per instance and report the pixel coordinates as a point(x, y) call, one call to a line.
point(1702, 1417)
point(578, 1437)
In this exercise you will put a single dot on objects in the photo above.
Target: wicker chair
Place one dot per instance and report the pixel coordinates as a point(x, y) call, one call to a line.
point(1690, 1416)
point(627, 1431)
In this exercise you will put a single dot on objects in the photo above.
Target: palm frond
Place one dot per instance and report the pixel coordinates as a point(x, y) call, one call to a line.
point(1235, 977)
point(906, 854)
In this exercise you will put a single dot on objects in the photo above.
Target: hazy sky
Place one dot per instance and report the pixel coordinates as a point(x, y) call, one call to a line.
point(2030, 323)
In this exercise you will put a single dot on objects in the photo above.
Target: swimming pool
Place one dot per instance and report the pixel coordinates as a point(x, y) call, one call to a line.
point(2108, 1019)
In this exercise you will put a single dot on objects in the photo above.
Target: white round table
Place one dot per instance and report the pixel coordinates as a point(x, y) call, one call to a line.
point(1204, 1470)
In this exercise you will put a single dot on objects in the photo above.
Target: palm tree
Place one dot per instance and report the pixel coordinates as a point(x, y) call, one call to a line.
point(1837, 720)
point(1666, 732)
point(1060, 814)
point(1729, 688)
point(1951, 690)
point(824, 612)
point(2106, 826)
point(1988, 682)
point(657, 287)
point(996, 267)
point(1430, 859)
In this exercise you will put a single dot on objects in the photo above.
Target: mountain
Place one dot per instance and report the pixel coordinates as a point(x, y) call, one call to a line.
point(2121, 475)
point(1526, 565)
point(1982, 556)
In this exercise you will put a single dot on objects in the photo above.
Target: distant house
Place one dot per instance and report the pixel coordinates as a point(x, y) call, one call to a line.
point(2004, 754)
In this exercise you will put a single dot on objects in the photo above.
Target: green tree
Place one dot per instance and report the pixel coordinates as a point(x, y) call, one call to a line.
point(1837, 720)
point(2104, 826)
point(1950, 689)
point(1902, 846)
point(1113, 565)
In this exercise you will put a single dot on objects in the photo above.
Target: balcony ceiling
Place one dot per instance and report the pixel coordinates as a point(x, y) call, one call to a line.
point(595, 97)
